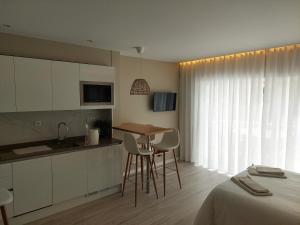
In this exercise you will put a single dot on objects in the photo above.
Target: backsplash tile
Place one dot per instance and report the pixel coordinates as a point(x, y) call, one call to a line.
point(20, 127)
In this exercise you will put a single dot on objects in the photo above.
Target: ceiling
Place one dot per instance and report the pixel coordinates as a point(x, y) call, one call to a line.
point(170, 30)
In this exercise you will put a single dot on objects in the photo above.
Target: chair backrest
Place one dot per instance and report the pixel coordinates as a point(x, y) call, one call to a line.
point(171, 138)
point(143, 138)
point(152, 137)
point(130, 144)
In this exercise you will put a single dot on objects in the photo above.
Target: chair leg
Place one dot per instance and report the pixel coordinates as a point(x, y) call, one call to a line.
point(129, 169)
point(177, 168)
point(142, 172)
point(151, 171)
point(136, 175)
point(4, 216)
point(125, 174)
point(154, 164)
point(164, 172)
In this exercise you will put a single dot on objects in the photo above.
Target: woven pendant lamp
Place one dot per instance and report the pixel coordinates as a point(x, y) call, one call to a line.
point(140, 86)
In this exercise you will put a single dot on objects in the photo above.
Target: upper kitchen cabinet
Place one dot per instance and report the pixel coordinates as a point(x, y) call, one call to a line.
point(28, 84)
point(66, 91)
point(7, 84)
point(97, 73)
point(33, 84)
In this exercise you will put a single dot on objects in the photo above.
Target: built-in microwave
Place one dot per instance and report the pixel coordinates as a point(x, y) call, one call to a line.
point(96, 93)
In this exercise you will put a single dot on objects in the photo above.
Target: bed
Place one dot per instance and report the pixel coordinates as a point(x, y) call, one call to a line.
point(228, 204)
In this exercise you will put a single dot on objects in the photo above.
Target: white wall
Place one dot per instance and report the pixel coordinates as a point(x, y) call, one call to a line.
point(161, 76)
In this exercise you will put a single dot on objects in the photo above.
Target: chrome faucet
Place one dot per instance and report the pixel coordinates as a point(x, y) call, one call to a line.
point(59, 126)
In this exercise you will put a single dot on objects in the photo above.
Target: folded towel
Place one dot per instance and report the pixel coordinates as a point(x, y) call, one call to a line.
point(251, 186)
point(271, 170)
point(252, 171)
point(247, 181)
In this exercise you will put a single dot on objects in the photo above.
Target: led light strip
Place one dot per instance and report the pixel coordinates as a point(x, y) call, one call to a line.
point(240, 54)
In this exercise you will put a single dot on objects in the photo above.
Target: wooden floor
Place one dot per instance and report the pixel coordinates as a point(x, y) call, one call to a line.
point(178, 208)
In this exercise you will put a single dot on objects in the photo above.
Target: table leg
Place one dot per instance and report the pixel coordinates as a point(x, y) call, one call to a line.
point(148, 170)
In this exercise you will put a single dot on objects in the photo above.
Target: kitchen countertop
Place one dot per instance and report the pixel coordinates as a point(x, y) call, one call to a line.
point(72, 144)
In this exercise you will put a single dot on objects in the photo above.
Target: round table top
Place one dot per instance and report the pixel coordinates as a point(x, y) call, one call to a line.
point(5, 197)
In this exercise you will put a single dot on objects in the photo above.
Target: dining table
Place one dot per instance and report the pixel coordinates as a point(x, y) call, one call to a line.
point(146, 130)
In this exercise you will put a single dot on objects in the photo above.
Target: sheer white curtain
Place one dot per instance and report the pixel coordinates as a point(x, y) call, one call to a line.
point(281, 114)
point(223, 101)
point(240, 110)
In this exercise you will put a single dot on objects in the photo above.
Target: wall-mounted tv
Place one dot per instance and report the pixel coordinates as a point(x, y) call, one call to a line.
point(164, 101)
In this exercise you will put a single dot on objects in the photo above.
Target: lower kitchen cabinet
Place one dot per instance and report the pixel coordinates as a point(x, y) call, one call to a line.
point(95, 169)
point(104, 167)
point(118, 171)
point(69, 176)
point(45, 181)
point(32, 184)
point(6, 182)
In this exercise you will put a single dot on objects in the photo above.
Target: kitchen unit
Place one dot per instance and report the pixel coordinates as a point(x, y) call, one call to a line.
point(48, 176)
point(43, 181)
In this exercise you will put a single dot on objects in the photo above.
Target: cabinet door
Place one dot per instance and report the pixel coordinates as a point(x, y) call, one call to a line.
point(69, 176)
point(6, 176)
point(117, 165)
point(33, 84)
point(104, 168)
point(7, 84)
point(6, 182)
point(32, 184)
point(97, 73)
point(99, 169)
point(65, 86)
point(95, 168)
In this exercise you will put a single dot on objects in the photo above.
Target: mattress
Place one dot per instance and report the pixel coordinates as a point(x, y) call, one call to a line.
point(228, 204)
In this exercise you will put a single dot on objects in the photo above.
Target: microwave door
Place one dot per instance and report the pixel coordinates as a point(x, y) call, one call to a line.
point(97, 94)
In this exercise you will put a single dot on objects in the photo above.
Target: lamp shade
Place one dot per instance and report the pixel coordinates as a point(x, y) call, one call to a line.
point(139, 87)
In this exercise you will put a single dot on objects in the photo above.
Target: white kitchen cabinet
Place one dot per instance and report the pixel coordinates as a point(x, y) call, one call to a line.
point(98, 173)
point(97, 73)
point(6, 182)
point(6, 176)
point(33, 84)
point(104, 168)
point(117, 165)
point(7, 84)
point(66, 91)
point(32, 184)
point(69, 176)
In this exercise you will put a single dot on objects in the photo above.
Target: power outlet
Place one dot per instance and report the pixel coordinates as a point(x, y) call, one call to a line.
point(37, 123)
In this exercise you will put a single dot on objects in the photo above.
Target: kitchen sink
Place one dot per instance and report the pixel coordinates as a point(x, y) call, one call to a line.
point(54, 145)
point(63, 144)
point(32, 149)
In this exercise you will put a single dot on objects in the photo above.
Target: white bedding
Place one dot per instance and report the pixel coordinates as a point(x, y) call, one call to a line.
point(228, 204)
